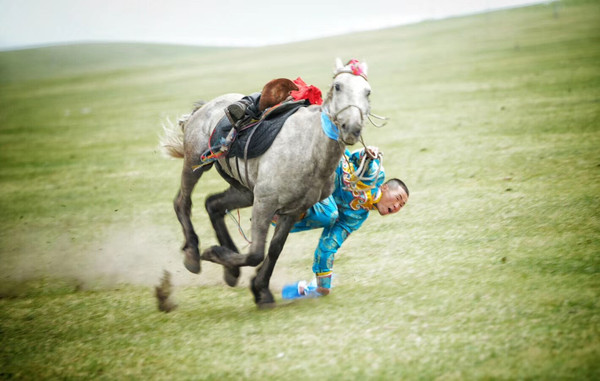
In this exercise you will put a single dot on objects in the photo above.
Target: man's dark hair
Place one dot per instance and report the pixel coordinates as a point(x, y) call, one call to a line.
point(396, 183)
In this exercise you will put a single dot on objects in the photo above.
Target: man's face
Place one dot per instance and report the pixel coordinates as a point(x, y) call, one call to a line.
point(392, 200)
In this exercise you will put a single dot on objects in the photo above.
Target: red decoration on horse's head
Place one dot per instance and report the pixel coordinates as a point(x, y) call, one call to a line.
point(355, 67)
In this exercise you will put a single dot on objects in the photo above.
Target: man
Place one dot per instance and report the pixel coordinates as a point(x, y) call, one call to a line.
point(359, 188)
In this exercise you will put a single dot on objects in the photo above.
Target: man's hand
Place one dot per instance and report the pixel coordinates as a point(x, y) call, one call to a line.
point(373, 152)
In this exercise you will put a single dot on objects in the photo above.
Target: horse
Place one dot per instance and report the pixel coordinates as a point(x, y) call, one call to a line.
point(296, 172)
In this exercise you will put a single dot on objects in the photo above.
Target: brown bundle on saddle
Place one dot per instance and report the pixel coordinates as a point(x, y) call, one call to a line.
point(275, 92)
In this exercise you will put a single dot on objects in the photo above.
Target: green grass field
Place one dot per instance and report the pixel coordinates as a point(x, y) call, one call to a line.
point(490, 272)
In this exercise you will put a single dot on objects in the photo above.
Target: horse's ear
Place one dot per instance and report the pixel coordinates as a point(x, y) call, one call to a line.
point(364, 67)
point(338, 65)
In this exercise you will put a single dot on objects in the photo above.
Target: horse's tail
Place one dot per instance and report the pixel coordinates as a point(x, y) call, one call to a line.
point(171, 142)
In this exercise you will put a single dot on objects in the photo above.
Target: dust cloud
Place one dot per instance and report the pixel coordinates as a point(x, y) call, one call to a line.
point(139, 255)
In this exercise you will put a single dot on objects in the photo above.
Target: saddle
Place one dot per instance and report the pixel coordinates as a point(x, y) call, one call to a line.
point(266, 113)
point(255, 138)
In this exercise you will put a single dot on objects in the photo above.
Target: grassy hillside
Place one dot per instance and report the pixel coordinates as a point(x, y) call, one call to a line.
point(68, 60)
point(490, 272)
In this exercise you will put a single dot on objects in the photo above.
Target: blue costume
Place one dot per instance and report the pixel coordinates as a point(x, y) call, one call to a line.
point(344, 211)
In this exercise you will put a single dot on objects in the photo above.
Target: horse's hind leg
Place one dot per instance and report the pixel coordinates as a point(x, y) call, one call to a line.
point(260, 283)
point(262, 213)
point(183, 209)
point(261, 218)
point(216, 206)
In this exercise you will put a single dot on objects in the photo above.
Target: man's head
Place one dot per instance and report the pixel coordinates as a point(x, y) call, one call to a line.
point(394, 194)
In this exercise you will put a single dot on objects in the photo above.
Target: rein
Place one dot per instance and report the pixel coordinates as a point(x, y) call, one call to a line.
point(385, 119)
point(359, 174)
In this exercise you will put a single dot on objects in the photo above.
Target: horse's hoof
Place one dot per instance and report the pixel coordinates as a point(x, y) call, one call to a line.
point(265, 300)
point(213, 254)
point(191, 261)
point(266, 306)
point(231, 275)
point(262, 297)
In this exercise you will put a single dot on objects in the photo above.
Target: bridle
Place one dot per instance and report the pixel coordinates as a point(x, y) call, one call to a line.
point(335, 120)
point(334, 117)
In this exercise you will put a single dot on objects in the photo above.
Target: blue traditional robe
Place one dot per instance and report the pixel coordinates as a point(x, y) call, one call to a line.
point(344, 211)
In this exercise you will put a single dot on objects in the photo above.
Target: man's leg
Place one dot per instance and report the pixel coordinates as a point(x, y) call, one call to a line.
point(236, 111)
point(320, 215)
point(244, 110)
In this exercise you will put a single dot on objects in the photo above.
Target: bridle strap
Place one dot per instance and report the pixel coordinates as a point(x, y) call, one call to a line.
point(246, 156)
point(334, 117)
point(350, 72)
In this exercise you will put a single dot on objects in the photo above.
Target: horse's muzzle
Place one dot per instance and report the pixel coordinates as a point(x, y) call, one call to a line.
point(350, 136)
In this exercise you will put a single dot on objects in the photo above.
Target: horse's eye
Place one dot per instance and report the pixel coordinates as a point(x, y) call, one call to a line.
point(368, 92)
point(337, 87)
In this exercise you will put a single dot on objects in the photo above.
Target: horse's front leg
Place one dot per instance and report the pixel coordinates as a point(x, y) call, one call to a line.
point(260, 284)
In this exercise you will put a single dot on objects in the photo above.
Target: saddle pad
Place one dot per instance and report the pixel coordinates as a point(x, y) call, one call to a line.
point(261, 134)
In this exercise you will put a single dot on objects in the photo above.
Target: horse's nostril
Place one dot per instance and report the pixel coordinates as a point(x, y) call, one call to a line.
point(343, 126)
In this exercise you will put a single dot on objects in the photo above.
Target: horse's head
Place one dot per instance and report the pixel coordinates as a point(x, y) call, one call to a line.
point(348, 99)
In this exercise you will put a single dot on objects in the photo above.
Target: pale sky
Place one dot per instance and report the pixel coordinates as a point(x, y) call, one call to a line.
point(214, 22)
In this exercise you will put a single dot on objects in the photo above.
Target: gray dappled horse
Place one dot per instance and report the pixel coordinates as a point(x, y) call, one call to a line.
point(296, 172)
